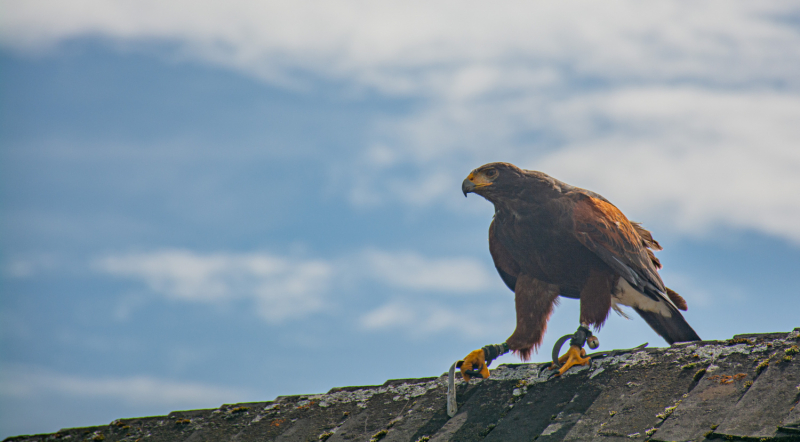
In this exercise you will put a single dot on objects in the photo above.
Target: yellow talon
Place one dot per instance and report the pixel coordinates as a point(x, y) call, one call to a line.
point(475, 360)
point(574, 356)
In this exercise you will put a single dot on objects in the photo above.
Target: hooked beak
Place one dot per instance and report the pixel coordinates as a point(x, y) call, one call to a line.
point(467, 186)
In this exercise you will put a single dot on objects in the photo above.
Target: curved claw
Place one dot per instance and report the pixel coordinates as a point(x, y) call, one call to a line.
point(574, 356)
point(474, 362)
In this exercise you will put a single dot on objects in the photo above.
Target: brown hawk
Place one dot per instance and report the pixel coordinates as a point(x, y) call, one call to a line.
point(550, 239)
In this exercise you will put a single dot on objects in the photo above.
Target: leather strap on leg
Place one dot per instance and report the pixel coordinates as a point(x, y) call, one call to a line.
point(494, 351)
point(580, 336)
point(479, 368)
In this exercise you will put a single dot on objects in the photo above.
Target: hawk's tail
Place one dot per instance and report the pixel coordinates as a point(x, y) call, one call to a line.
point(672, 329)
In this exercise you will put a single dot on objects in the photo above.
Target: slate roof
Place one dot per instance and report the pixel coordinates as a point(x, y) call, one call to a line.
point(745, 388)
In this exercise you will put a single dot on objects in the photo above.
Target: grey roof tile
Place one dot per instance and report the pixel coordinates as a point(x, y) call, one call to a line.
point(767, 402)
point(720, 386)
point(703, 391)
point(547, 409)
point(791, 423)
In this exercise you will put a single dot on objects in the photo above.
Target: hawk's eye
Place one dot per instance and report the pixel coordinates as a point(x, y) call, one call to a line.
point(491, 173)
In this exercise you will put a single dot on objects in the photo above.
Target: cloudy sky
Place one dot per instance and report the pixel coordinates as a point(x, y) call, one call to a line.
point(207, 203)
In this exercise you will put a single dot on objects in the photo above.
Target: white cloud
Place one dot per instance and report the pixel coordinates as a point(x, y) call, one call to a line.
point(19, 269)
point(413, 46)
point(28, 266)
point(684, 158)
point(19, 382)
point(681, 111)
point(408, 270)
point(688, 159)
point(388, 315)
point(420, 319)
point(282, 288)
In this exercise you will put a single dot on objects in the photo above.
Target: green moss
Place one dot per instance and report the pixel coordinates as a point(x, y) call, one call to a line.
point(761, 366)
point(793, 350)
point(740, 341)
point(689, 366)
point(424, 439)
point(700, 373)
point(668, 411)
point(325, 435)
point(379, 435)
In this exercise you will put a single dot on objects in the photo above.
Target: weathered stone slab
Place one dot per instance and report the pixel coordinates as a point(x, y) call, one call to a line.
point(791, 423)
point(295, 421)
point(654, 394)
point(484, 409)
point(544, 407)
point(633, 391)
point(386, 407)
point(720, 387)
point(225, 422)
point(425, 416)
point(768, 401)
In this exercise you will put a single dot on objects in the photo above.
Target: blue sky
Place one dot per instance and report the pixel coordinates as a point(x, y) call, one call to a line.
point(207, 204)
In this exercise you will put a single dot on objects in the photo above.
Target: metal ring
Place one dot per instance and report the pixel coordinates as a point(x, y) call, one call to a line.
point(557, 348)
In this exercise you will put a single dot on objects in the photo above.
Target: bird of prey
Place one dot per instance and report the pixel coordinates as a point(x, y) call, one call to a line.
point(550, 239)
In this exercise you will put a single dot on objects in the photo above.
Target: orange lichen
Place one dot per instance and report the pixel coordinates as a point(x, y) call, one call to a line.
point(277, 422)
point(727, 379)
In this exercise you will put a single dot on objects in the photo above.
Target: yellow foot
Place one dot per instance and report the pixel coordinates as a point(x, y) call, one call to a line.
point(574, 356)
point(475, 361)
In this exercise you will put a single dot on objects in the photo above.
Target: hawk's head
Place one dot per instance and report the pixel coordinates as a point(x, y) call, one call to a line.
point(492, 180)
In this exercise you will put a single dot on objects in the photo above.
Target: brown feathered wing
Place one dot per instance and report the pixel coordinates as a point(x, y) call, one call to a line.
point(604, 230)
